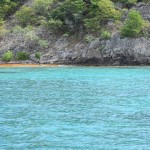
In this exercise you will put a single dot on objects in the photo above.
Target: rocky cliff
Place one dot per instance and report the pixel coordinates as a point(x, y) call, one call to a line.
point(116, 51)
point(67, 50)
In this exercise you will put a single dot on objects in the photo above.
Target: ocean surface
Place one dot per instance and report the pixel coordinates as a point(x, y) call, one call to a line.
point(75, 108)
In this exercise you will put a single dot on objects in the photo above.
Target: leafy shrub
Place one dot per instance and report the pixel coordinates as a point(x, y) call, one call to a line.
point(66, 34)
point(22, 56)
point(133, 25)
point(3, 31)
point(37, 55)
point(31, 36)
point(7, 7)
point(25, 16)
point(64, 15)
point(43, 44)
point(118, 24)
point(146, 1)
point(105, 35)
point(146, 29)
point(89, 38)
point(7, 56)
point(129, 1)
point(54, 24)
point(70, 13)
point(100, 13)
point(19, 29)
point(28, 35)
point(42, 7)
point(107, 10)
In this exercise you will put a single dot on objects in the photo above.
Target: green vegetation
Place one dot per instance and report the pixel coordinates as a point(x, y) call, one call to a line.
point(68, 15)
point(41, 7)
point(3, 31)
point(7, 7)
point(25, 16)
point(43, 44)
point(105, 35)
point(89, 38)
point(75, 8)
point(87, 19)
point(7, 56)
point(131, 2)
point(100, 13)
point(74, 16)
point(37, 55)
point(146, 1)
point(22, 56)
point(133, 25)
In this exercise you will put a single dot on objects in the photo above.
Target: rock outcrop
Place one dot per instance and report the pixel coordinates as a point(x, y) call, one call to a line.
point(144, 9)
point(116, 51)
point(65, 50)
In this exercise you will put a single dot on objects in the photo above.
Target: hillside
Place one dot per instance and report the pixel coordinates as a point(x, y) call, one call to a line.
point(90, 32)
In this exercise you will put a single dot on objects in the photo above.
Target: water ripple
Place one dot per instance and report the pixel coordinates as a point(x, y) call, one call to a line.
point(74, 108)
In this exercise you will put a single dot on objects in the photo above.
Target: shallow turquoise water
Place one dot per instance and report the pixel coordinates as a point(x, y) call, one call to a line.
point(75, 108)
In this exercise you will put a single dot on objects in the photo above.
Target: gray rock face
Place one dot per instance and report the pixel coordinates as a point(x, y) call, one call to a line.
point(127, 51)
point(144, 9)
point(116, 51)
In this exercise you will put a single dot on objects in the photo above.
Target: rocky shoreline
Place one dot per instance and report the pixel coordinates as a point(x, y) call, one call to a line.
point(15, 64)
point(116, 51)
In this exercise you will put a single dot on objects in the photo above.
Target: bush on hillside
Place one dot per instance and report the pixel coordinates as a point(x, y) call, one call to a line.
point(70, 13)
point(7, 7)
point(133, 25)
point(42, 7)
point(54, 24)
point(100, 13)
point(43, 44)
point(146, 29)
point(22, 56)
point(25, 16)
point(105, 35)
point(7, 56)
point(37, 55)
point(146, 1)
point(3, 31)
point(129, 1)
point(89, 38)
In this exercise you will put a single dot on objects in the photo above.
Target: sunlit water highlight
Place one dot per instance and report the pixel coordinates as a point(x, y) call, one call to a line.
point(75, 108)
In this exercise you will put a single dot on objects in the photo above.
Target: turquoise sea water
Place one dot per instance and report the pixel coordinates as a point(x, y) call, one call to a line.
point(75, 108)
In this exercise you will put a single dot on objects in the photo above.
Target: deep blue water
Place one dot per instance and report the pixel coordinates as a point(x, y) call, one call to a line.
point(75, 108)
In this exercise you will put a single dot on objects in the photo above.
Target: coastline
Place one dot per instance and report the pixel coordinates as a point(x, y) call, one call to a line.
point(13, 65)
point(26, 65)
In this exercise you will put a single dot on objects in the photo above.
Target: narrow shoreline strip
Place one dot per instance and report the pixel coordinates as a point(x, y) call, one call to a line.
point(28, 65)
